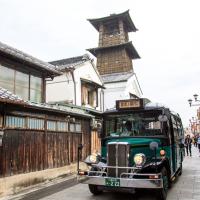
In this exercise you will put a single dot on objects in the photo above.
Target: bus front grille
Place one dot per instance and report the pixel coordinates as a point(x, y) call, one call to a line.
point(117, 156)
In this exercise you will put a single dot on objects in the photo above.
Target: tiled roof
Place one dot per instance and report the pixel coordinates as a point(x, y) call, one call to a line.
point(117, 77)
point(28, 58)
point(8, 97)
point(67, 109)
point(124, 16)
point(70, 62)
point(127, 45)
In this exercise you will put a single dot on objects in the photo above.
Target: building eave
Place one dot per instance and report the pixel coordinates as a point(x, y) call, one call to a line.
point(124, 16)
point(47, 69)
point(128, 46)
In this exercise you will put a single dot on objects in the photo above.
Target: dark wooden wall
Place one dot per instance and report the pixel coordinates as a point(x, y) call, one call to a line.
point(27, 151)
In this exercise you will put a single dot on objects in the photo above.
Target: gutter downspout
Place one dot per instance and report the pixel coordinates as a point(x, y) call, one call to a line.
point(73, 78)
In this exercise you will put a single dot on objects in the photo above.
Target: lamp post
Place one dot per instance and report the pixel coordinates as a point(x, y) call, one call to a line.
point(195, 99)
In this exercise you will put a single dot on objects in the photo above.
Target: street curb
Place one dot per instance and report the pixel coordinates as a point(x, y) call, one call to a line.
point(44, 189)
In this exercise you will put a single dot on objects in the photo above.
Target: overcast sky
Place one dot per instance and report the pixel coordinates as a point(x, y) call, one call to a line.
point(168, 39)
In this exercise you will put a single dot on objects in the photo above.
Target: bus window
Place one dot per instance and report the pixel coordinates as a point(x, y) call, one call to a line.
point(135, 124)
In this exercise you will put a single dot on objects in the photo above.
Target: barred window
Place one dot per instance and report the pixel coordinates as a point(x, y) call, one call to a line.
point(51, 125)
point(78, 127)
point(34, 123)
point(62, 126)
point(15, 122)
point(72, 127)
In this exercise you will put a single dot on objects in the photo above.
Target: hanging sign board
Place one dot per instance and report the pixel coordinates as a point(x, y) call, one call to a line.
point(129, 104)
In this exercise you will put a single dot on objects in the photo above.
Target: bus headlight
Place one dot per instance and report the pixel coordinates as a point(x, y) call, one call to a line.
point(139, 159)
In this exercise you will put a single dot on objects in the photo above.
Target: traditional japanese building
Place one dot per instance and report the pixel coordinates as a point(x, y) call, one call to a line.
point(35, 135)
point(80, 83)
point(114, 57)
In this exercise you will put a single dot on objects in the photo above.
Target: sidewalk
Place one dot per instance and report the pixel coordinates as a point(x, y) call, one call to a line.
point(187, 186)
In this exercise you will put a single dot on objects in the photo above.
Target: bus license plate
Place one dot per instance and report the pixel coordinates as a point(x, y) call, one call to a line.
point(112, 182)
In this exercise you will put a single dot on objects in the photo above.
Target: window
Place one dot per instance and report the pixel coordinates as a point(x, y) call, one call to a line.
point(72, 127)
point(22, 85)
point(35, 89)
point(78, 127)
point(62, 126)
point(15, 122)
point(111, 28)
point(89, 95)
point(75, 127)
point(34, 123)
point(7, 77)
point(18, 83)
point(136, 124)
point(51, 125)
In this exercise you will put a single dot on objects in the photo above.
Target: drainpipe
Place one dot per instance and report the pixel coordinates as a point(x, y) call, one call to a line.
point(73, 78)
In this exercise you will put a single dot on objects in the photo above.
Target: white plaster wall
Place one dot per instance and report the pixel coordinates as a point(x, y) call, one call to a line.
point(119, 91)
point(60, 89)
point(113, 92)
point(133, 87)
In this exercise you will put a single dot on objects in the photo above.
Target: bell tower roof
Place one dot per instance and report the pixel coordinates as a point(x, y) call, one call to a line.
point(128, 46)
point(125, 17)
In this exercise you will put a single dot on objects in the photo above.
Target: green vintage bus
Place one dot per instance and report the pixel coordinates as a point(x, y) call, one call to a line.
point(142, 148)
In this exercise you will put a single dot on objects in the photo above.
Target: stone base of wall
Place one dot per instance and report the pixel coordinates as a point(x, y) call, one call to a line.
point(17, 183)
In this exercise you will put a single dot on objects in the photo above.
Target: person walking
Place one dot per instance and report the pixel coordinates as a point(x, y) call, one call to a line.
point(188, 145)
point(195, 140)
point(198, 143)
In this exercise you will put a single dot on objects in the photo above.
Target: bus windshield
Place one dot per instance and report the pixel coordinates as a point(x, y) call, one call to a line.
point(135, 124)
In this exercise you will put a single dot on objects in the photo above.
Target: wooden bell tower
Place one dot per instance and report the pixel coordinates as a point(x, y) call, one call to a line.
point(115, 52)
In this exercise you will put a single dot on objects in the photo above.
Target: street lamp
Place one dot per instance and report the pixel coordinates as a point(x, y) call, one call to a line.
point(195, 99)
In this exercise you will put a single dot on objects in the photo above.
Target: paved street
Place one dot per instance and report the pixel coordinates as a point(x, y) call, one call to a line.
point(187, 187)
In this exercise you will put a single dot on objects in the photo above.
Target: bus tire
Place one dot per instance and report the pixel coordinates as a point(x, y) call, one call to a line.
point(94, 189)
point(162, 193)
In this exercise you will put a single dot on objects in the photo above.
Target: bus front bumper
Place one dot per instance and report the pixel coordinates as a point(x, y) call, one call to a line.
point(124, 182)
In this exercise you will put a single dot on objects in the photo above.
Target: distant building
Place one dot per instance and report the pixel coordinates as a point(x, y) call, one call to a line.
point(114, 57)
point(79, 84)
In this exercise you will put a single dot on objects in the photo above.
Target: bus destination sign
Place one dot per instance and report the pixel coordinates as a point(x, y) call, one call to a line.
point(129, 104)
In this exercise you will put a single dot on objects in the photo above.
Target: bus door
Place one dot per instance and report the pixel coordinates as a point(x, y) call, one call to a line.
point(176, 156)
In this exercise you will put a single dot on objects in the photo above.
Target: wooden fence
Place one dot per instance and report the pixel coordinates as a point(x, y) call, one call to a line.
point(95, 142)
point(26, 151)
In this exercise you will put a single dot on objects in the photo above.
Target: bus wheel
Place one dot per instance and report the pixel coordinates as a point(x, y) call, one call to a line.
point(94, 189)
point(162, 193)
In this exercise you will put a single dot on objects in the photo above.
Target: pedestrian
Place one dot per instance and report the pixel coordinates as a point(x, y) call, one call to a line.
point(188, 145)
point(198, 143)
point(195, 140)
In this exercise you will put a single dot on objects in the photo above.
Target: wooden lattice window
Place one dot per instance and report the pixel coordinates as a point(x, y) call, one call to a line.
point(34, 123)
point(15, 122)
point(62, 126)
